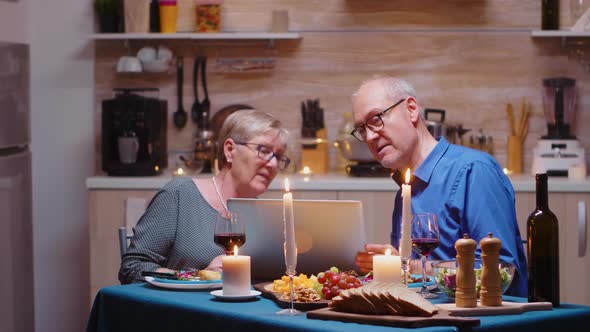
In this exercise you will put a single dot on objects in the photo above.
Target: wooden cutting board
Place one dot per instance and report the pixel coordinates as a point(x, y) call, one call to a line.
point(442, 318)
point(507, 308)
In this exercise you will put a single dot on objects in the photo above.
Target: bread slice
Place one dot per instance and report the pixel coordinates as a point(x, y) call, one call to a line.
point(412, 302)
point(383, 299)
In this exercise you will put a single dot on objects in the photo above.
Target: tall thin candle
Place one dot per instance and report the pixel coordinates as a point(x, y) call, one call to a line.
point(290, 243)
point(406, 229)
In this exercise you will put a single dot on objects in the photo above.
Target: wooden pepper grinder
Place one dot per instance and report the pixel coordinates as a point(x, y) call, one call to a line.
point(465, 295)
point(491, 287)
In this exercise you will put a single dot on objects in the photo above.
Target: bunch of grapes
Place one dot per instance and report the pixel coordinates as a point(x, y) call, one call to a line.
point(334, 282)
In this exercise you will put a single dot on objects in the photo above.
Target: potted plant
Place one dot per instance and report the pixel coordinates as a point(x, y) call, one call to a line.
point(109, 15)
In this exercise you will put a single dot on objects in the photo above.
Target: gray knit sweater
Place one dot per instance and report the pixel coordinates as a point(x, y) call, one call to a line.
point(175, 232)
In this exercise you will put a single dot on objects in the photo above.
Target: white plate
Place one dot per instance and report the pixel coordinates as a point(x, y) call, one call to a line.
point(180, 284)
point(219, 295)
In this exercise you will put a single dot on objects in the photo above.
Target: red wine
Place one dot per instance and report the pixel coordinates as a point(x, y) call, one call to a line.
point(229, 240)
point(543, 249)
point(424, 246)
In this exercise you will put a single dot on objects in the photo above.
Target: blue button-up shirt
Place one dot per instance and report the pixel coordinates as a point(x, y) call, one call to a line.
point(470, 194)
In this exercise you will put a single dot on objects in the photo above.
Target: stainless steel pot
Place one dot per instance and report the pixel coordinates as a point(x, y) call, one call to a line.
point(354, 150)
point(436, 128)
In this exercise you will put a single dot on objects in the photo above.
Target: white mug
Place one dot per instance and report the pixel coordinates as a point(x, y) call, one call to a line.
point(128, 148)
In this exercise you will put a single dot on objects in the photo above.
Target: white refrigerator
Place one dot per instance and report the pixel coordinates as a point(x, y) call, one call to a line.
point(16, 225)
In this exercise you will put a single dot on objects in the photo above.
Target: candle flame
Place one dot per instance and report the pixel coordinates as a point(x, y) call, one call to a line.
point(407, 176)
point(235, 250)
point(287, 185)
point(306, 170)
point(388, 252)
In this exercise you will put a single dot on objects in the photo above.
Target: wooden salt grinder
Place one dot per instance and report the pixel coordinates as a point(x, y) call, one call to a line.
point(465, 295)
point(491, 287)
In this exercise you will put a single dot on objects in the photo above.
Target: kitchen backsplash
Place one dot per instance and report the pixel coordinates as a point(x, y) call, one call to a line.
point(470, 59)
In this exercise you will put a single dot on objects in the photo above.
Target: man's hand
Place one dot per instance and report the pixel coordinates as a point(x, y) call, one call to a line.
point(364, 259)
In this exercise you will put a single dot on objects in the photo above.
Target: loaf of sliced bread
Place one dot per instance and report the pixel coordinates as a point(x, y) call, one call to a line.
point(383, 299)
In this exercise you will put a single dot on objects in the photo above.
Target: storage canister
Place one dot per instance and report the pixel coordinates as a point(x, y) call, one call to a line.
point(208, 15)
point(168, 14)
point(186, 20)
point(137, 15)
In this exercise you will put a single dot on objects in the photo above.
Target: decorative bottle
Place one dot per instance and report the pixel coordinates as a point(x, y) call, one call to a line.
point(543, 249)
point(465, 295)
point(550, 15)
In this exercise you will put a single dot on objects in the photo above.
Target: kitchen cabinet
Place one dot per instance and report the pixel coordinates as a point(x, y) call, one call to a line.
point(572, 212)
point(106, 215)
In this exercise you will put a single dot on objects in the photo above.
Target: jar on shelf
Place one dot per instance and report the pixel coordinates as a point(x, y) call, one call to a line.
point(208, 15)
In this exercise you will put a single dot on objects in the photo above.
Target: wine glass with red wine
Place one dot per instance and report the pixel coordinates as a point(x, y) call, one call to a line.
point(425, 238)
point(229, 231)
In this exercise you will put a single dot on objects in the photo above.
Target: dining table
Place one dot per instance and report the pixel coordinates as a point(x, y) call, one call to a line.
point(145, 307)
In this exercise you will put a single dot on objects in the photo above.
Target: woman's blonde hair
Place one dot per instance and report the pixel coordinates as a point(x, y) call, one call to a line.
point(243, 125)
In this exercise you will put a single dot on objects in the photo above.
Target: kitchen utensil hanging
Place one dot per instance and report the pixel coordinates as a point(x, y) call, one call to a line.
point(205, 104)
point(200, 109)
point(179, 116)
point(196, 108)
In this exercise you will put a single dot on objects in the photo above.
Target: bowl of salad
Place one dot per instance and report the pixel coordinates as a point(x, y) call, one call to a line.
point(445, 275)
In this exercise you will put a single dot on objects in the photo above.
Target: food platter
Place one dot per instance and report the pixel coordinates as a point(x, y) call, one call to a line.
point(266, 289)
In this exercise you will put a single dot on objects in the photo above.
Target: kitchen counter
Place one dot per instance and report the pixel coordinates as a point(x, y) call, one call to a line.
point(329, 182)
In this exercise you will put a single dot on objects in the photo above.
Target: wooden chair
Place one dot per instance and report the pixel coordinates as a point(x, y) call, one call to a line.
point(123, 240)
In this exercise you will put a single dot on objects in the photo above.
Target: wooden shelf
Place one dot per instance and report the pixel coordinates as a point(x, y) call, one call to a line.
point(559, 33)
point(199, 36)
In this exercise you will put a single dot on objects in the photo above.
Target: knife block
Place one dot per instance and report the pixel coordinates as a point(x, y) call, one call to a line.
point(315, 156)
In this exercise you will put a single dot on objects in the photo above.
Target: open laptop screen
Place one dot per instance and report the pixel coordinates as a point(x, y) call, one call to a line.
point(328, 233)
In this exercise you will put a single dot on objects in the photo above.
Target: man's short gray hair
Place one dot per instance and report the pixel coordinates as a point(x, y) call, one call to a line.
point(395, 88)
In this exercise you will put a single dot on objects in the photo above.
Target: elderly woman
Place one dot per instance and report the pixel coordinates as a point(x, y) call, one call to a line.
point(176, 231)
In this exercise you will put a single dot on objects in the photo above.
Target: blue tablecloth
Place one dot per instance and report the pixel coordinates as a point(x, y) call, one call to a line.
point(142, 307)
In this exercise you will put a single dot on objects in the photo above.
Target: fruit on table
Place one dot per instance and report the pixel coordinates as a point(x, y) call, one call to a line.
point(300, 281)
point(333, 282)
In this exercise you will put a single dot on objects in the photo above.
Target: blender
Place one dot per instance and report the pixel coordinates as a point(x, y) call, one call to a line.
point(559, 150)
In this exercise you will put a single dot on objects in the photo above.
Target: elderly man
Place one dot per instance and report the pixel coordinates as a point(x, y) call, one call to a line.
point(466, 188)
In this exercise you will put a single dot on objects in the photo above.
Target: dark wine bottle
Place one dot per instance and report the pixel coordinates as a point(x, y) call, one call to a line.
point(550, 15)
point(543, 249)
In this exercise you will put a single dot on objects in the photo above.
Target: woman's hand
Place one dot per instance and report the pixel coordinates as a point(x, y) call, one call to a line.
point(364, 259)
point(165, 270)
point(216, 264)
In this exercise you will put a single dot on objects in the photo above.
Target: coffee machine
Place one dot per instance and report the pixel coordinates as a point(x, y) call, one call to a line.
point(559, 150)
point(134, 126)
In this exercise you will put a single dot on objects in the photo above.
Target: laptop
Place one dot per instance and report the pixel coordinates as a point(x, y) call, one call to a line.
point(328, 233)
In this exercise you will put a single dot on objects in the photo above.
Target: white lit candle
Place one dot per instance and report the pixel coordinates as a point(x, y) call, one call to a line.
point(405, 245)
point(387, 268)
point(236, 274)
point(290, 243)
